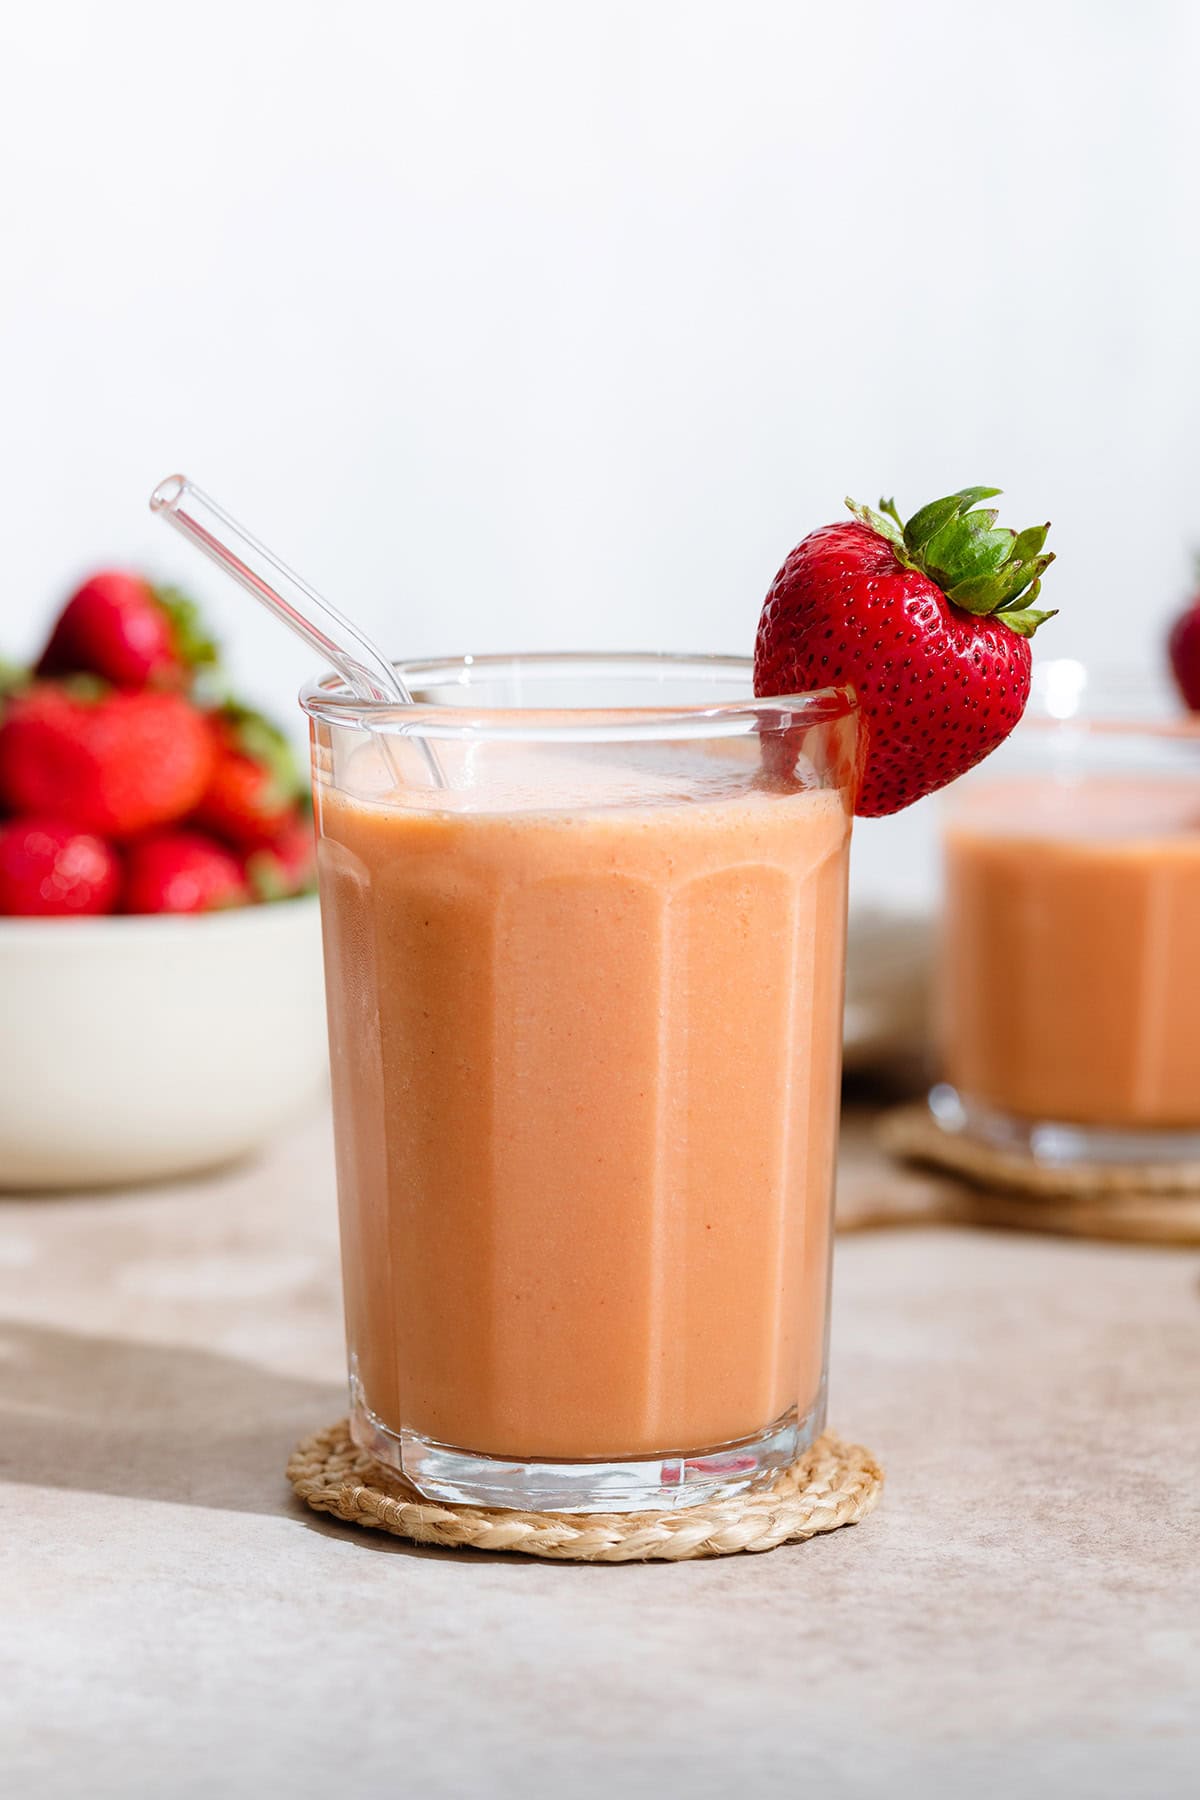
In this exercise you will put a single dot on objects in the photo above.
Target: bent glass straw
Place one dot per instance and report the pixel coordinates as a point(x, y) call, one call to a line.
point(215, 532)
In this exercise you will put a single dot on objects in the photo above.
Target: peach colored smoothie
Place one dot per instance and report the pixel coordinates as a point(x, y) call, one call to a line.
point(585, 1069)
point(1071, 949)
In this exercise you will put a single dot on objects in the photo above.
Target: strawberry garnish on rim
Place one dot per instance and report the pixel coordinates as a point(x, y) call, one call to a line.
point(929, 620)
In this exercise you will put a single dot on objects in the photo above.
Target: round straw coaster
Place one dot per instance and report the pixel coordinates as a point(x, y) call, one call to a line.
point(832, 1484)
point(1157, 1203)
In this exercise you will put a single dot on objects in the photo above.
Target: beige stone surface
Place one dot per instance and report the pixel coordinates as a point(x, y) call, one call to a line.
point(1020, 1617)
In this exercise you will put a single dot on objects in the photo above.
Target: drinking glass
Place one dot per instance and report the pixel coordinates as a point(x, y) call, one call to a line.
point(584, 924)
point(1070, 939)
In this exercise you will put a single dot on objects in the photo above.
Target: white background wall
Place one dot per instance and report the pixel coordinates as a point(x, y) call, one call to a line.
point(545, 323)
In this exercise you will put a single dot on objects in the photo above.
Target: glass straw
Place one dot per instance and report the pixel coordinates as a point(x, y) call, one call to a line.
point(215, 532)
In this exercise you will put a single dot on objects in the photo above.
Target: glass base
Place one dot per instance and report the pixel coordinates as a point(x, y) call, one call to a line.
point(1053, 1144)
point(638, 1484)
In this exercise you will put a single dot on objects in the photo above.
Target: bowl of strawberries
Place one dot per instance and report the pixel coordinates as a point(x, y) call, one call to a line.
point(159, 934)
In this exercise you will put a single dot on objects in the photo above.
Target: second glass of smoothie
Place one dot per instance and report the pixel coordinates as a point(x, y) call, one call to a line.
point(1070, 939)
point(584, 935)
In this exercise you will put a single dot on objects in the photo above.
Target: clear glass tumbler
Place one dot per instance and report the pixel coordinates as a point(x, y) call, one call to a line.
point(1070, 940)
point(584, 938)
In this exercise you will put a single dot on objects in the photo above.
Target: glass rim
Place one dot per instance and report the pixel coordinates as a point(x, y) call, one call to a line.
point(330, 698)
point(1111, 699)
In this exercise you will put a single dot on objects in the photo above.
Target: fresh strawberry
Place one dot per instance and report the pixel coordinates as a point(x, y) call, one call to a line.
point(287, 867)
point(51, 870)
point(121, 628)
point(110, 762)
point(252, 791)
point(1184, 648)
point(929, 621)
point(182, 872)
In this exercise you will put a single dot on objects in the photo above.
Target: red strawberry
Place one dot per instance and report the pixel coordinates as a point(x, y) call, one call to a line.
point(119, 627)
point(115, 764)
point(50, 870)
point(287, 867)
point(182, 872)
point(930, 621)
point(251, 794)
point(1184, 649)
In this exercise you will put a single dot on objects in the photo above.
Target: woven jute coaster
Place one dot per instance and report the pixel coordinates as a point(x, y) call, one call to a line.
point(1152, 1203)
point(832, 1484)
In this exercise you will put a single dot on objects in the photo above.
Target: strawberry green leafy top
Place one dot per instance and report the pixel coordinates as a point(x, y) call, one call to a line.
point(979, 566)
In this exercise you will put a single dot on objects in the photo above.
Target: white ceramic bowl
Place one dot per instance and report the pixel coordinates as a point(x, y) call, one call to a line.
point(132, 1049)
